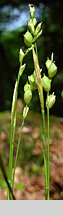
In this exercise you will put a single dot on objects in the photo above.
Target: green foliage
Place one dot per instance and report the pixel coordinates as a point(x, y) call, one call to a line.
point(20, 186)
point(3, 185)
point(62, 94)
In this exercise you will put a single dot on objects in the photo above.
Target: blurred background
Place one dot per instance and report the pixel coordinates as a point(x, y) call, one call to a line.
point(14, 15)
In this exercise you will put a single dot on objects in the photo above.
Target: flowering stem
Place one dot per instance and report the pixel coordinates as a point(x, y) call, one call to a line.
point(45, 153)
point(3, 169)
point(41, 98)
point(48, 152)
point(13, 123)
point(12, 130)
point(25, 112)
point(17, 151)
point(28, 50)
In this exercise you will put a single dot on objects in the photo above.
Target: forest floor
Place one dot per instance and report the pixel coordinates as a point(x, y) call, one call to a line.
point(29, 176)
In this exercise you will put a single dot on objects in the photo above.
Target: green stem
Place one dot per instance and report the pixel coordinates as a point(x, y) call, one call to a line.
point(3, 169)
point(48, 152)
point(28, 50)
point(36, 49)
point(41, 98)
point(12, 131)
point(10, 158)
point(45, 154)
point(17, 151)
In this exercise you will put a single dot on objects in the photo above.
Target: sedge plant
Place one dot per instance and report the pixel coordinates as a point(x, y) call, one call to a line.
point(42, 83)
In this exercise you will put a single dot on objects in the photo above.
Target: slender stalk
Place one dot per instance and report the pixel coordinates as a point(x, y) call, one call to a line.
point(45, 154)
point(25, 112)
point(12, 132)
point(17, 151)
point(41, 98)
point(28, 50)
point(48, 152)
point(36, 49)
point(3, 169)
point(13, 123)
